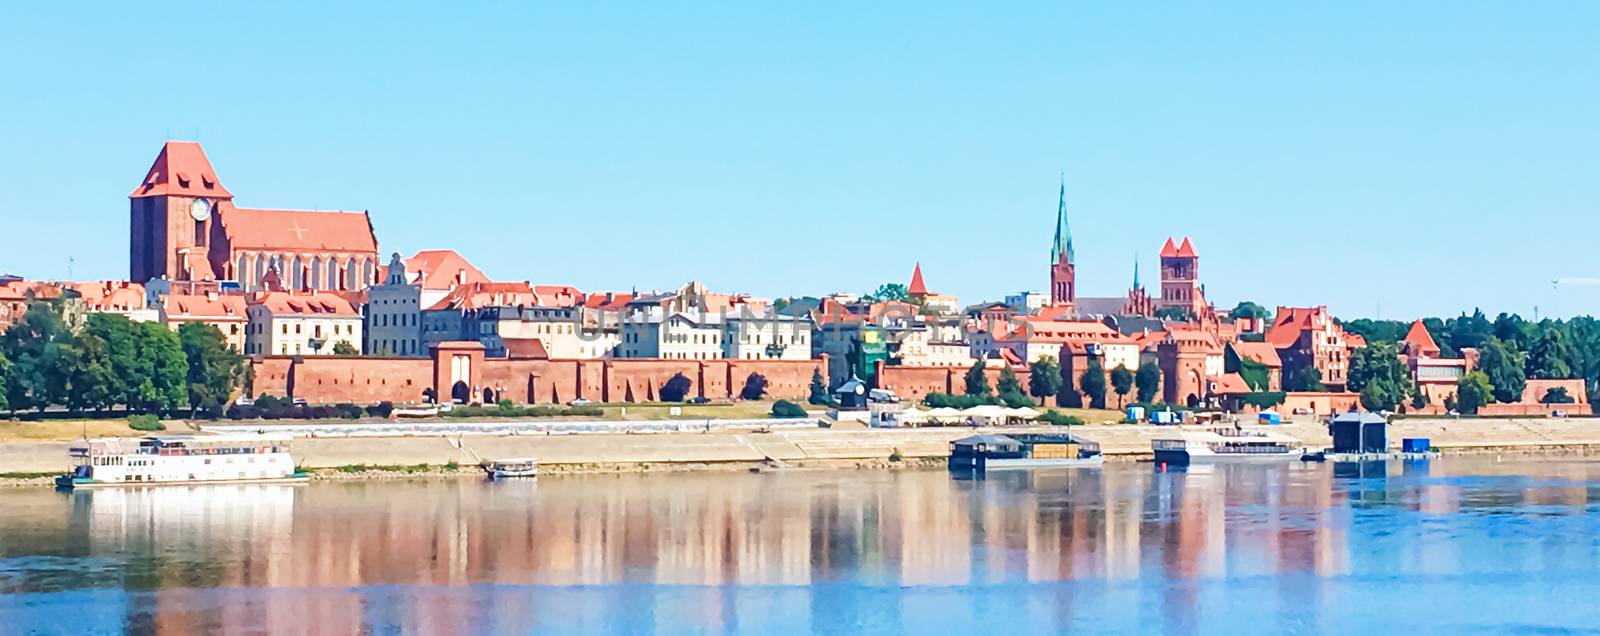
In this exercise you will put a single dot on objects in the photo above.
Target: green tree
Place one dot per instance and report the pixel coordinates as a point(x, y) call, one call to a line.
point(1472, 391)
point(214, 368)
point(1419, 398)
point(1557, 395)
point(85, 369)
point(1008, 382)
point(1469, 331)
point(343, 348)
point(1093, 382)
point(891, 292)
point(819, 389)
point(1552, 356)
point(1067, 395)
point(1148, 382)
point(755, 386)
point(676, 388)
point(5, 370)
point(1121, 383)
point(1044, 378)
point(1378, 375)
point(163, 380)
point(1172, 312)
point(34, 347)
point(1504, 367)
point(1246, 309)
point(1304, 378)
point(1514, 331)
point(977, 381)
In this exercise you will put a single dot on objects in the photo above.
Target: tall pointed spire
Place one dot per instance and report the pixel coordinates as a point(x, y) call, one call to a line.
point(1062, 249)
point(1136, 270)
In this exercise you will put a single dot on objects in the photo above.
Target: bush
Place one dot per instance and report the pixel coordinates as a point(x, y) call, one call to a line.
point(348, 411)
point(145, 423)
point(755, 386)
point(1016, 400)
point(1058, 419)
point(381, 409)
point(676, 388)
point(786, 409)
point(945, 400)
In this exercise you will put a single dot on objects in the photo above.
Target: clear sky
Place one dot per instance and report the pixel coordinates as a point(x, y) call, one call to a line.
point(1386, 156)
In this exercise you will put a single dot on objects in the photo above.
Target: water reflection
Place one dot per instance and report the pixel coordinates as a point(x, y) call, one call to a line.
point(803, 551)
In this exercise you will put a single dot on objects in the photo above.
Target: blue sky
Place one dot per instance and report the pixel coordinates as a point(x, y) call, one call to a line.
point(1398, 157)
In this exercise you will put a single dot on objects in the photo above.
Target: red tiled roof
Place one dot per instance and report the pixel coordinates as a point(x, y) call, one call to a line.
point(297, 230)
point(1259, 352)
point(1287, 325)
point(110, 295)
point(607, 300)
point(1056, 312)
point(477, 295)
point(1168, 249)
point(442, 269)
point(526, 349)
point(210, 308)
point(917, 288)
point(1420, 340)
point(1065, 331)
point(306, 304)
point(181, 169)
point(1230, 384)
point(1355, 340)
point(556, 295)
point(19, 290)
point(1186, 250)
point(832, 311)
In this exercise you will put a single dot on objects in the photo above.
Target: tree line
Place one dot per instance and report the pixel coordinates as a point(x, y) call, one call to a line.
point(1510, 351)
point(107, 361)
point(1046, 379)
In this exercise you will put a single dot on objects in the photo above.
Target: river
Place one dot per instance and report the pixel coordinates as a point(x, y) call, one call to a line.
point(1464, 545)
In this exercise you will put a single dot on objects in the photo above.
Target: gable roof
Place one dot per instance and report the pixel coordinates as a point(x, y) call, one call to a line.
point(476, 295)
point(1169, 249)
point(1186, 250)
point(525, 349)
point(201, 307)
point(110, 295)
point(441, 270)
point(1258, 352)
point(1418, 339)
point(917, 287)
point(297, 230)
point(181, 169)
point(306, 304)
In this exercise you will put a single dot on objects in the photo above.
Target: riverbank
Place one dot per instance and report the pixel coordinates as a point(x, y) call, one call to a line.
point(861, 449)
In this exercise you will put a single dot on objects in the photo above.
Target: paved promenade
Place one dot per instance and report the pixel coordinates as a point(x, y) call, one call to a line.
point(727, 449)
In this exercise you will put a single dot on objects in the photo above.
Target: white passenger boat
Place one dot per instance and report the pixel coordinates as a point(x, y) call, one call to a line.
point(513, 467)
point(181, 459)
point(1224, 445)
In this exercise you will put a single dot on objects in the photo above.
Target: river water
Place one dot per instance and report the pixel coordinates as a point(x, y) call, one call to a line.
point(1458, 545)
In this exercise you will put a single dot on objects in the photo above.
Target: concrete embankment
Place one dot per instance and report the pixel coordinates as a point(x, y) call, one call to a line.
point(818, 447)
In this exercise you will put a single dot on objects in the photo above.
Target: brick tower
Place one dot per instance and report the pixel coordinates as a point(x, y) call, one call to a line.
point(1063, 277)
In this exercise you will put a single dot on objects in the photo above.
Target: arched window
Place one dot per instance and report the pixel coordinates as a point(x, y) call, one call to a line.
point(259, 271)
point(297, 274)
point(316, 273)
point(333, 273)
point(241, 271)
point(352, 273)
point(369, 273)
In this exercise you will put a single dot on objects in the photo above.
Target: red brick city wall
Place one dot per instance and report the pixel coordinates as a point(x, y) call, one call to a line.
point(914, 383)
point(1319, 403)
point(366, 380)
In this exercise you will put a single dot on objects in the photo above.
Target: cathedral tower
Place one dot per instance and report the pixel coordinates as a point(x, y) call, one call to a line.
point(172, 215)
point(1063, 283)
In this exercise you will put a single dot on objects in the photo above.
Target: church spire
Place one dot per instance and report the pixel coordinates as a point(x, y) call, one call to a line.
point(1061, 251)
point(1136, 270)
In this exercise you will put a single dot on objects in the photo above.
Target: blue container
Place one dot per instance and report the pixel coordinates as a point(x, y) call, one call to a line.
point(1270, 417)
point(1415, 445)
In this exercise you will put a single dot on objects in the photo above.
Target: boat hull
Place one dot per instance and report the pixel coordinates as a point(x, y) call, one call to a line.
point(68, 482)
point(1185, 457)
point(1030, 464)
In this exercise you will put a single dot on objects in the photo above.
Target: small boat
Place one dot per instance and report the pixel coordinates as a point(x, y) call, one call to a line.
point(160, 460)
point(514, 467)
point(1224, 445)
point(994, 452)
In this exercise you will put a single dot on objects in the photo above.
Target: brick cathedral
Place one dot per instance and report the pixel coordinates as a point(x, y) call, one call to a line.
point(184, 226)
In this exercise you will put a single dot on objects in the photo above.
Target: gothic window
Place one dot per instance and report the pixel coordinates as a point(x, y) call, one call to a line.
point(297, 274)
point(200, 233)
point(241, 271)
point(316, 273)
point(368, 273)
point(352, 275)
point(259, 271)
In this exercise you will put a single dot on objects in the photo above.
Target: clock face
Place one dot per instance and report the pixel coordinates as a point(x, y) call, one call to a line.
point(200, 209)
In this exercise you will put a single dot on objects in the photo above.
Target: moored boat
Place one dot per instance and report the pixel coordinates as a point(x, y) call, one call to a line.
point(993, 452)
point(1224, 445)
point(181, 459)
point(512, 467)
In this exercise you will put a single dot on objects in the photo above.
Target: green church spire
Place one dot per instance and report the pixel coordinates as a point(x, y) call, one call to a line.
point(1063, 242)
point(1136, 271)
